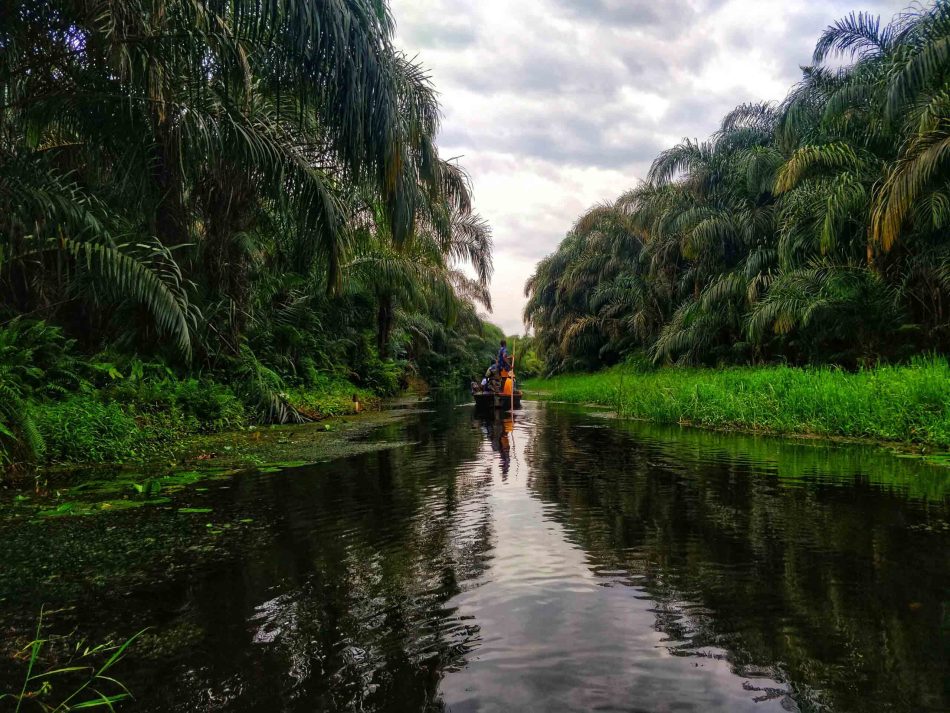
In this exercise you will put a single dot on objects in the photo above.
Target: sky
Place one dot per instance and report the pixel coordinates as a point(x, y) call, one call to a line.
point(553, 106)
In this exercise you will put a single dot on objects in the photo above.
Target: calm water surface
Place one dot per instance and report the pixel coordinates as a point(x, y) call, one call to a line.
point(562, 562)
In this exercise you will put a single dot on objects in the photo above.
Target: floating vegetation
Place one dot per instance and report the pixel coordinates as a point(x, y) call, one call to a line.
point(103, 490)
point(74, 507)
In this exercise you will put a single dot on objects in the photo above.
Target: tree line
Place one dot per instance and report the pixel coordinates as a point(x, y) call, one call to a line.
point(809, 231)
point(244, 188)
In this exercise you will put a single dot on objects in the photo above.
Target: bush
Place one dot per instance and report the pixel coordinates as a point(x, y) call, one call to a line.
point(327, 395)
point(385, 377)
point(52, 411)
point(214, 406)
point(85, 429)
point(133, 420)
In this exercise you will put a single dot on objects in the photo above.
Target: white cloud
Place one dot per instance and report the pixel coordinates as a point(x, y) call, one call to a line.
point(555, 105)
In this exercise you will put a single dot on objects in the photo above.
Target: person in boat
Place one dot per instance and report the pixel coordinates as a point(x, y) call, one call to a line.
point(493, 382)
point(505, 366)
point(503, 360)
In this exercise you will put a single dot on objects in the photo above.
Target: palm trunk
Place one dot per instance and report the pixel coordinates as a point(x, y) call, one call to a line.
point(384, 325)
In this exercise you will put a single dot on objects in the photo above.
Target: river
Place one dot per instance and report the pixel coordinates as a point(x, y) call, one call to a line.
point(559, 562)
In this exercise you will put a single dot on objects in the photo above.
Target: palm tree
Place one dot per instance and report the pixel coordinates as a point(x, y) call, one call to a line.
point(814, 230)
point(184, 128)
point(422, 272)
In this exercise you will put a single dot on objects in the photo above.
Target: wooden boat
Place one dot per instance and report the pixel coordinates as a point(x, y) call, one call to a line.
point(496, 402)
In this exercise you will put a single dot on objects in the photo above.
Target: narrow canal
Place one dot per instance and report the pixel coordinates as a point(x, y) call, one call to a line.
point(559, 562)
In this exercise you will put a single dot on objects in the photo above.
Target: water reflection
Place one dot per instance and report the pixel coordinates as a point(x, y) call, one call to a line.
point(792, 562)
point(557, 562)
point(499, 430)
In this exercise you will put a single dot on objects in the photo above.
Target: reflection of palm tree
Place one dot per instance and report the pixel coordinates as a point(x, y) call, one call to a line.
point(784, 573)
point(373, 561)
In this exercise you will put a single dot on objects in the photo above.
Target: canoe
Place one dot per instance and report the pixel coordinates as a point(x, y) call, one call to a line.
point(501, 402)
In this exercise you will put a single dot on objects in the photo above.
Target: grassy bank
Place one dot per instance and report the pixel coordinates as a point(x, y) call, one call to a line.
point(909, 404)
point(140, 420)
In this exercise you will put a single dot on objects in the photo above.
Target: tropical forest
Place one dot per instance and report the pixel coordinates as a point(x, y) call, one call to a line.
point(268, 443)
point(807, 232)
point(221, 213)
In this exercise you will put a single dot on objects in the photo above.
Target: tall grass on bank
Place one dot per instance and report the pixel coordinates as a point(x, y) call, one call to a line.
point(888, 403)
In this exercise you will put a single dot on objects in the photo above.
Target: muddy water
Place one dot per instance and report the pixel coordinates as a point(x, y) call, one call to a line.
point(559, 562)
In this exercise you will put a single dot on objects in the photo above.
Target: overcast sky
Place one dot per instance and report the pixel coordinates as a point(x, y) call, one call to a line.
point(555, 105)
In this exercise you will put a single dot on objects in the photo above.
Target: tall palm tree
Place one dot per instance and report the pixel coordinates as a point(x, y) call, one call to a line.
point(150, 141)
point(812, 230)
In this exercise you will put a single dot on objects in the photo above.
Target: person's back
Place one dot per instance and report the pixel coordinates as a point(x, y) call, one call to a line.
point(503, 360)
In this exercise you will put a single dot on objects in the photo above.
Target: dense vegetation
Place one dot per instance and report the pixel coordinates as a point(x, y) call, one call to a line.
point(206, 208)
point(909, 403)
point(813, 231)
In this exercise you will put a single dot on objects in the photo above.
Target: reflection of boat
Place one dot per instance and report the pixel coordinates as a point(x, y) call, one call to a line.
point(499, 429)
point(496, 401)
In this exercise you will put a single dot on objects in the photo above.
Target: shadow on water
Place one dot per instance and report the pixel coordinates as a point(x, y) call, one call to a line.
point(554, 561)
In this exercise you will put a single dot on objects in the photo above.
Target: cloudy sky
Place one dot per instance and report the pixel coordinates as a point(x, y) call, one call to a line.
point(555, 105)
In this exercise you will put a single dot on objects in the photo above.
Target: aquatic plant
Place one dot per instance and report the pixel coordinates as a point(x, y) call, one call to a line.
point(79, 679)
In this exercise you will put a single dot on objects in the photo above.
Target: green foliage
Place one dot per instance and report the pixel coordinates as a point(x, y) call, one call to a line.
point(527, 362)
point(887, 403)
point(262, 389)
point(85, 429)
point(64, 674)
point(241, 200)
point(36, 360)
point(326, 395)
point(809, 232)
point(213, 406)
point(383, 376)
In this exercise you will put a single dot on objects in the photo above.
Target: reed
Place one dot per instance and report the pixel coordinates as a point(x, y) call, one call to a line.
point(907, 403)
point(79, 678)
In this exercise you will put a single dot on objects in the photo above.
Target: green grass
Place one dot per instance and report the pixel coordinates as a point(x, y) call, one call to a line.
point(908, 404)
point(148, 421)
point(79, 678)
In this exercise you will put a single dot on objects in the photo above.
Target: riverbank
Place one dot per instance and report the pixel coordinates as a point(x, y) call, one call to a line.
point(905, 404)
point(141, 421)
point(99, 489)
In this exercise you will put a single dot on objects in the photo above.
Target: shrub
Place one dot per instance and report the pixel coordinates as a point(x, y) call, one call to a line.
point(214, 406)
point(327, 395)
point(84, 429)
